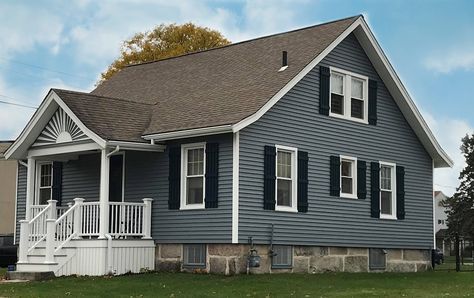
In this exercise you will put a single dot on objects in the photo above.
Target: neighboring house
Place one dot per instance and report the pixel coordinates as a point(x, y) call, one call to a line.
point(305, 143)
point(8, 172)
point(440, 211)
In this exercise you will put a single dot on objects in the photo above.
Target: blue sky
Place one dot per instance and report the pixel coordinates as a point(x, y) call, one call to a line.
point(67, 44)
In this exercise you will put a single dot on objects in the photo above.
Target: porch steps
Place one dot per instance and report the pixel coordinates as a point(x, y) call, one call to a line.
point(36, 260)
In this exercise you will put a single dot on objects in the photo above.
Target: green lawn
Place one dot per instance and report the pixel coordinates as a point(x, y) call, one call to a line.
point(429, 284)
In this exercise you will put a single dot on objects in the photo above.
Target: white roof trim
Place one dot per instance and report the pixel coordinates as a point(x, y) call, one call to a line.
point(180, 134)
point(36, 124)
point(391, 80)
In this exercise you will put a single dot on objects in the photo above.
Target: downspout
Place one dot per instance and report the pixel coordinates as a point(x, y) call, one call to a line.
point(117, 149)
point(109, 267)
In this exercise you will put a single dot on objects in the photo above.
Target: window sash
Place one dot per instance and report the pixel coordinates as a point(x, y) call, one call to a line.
point(291, 167)
point(187, 175)
point(44, 181)
point(392, 190)
point(352, 176)
point(348, 77)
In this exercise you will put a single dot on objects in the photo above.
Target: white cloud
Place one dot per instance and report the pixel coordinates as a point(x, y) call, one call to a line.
point(449, 133)
point(461, 58)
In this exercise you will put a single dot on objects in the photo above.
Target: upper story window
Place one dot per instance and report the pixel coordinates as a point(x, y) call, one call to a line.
point(349, 93)
point(348, 177)
point(44, 183)
point(286, 179)
point(193, 162)
point(388, 202)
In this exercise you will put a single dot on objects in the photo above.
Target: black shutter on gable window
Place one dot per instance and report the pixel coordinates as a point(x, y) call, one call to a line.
point(57, 182)
point(375, 189)
point(269, 173)
point(361, 180)
point(174, 178)
point(400, 192)
point(335, 176)
point(302, 181)
point(212, 174)
point(372, 102)
point(324, 81)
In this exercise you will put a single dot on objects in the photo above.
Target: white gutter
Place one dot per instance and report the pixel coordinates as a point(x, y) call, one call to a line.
point(181, 134)
point(136, 146)
point(117, 149)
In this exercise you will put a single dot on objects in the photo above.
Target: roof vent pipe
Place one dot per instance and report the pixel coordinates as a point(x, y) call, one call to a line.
point(284, 61)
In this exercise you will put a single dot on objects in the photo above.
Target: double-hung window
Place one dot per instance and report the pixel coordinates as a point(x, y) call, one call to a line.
point(44, 182)
point(388, 202)
point(193, 161)
point(286, 179)
point(349, 93)
point(348, 177)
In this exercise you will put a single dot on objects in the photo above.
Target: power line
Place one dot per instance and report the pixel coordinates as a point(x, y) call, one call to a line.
point(445, 186)
point(45, 68)
point(17, 104)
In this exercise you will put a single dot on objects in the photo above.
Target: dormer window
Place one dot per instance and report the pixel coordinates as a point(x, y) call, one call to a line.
point(348, 95)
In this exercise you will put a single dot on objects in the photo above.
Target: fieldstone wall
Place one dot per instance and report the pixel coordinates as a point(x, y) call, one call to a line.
point(230, 259)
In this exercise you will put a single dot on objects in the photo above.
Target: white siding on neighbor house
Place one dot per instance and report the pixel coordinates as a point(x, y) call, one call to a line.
point(331, 221)
point(440, 213)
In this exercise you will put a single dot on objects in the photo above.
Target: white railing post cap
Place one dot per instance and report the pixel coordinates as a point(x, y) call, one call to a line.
point(147, 200)
point(78, 200)
point(52, 201)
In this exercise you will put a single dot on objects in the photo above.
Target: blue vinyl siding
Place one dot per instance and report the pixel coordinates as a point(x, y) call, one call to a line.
point(295, 121)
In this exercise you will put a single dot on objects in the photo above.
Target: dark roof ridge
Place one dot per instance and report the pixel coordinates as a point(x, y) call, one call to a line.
point(100, 96)
point(245, 41)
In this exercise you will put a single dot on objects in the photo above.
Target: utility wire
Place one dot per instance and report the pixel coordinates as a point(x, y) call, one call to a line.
point(18, 104)
point(45, 68)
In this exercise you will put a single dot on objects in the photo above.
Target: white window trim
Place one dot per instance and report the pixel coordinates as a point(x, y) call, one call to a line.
point(38, 177)
point(294, 179)
point(392, 216)
point(347, 96)
point(354, 177)
point(184, 171)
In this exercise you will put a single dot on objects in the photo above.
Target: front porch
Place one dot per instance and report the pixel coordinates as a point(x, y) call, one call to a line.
point(104, 233)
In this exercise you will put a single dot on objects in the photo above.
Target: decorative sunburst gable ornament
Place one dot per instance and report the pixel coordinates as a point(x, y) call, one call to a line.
point(60, 129)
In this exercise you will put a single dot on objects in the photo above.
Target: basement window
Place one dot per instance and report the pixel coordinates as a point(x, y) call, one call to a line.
point(194, 256)
point(283, 257)
point(377, 259)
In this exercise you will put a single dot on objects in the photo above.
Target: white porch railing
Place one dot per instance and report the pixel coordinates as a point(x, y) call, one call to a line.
point(81, 220)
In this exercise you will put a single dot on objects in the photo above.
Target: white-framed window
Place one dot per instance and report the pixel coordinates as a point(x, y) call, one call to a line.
point(348, 177)
point(193, 175)
point(44, 183)
point(388, 202)
point(349, 95)
point(286, 171)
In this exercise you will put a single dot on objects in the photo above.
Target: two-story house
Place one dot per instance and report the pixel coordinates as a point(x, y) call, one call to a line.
point(304, 143)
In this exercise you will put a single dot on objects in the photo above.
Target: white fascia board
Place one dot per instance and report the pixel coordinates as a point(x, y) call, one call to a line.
point(36, 124)
point(62, 149)
point(391, 80)
point(181, 134)
point(136, 146)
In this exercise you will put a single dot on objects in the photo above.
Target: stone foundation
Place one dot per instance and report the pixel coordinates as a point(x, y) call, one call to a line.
point(230, 259)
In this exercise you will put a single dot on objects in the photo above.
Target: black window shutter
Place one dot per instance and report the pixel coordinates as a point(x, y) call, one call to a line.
point(361, 180)
point(269, 178)
point(400, 192)
point(212, 174)
point(324, 77)
point(372, 102)
point(302, 181)
point(335, 176)
point(57, 182)
point(375, 189)
point(174, 178)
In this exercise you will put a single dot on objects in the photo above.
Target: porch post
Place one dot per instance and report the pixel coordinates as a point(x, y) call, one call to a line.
point(147, 218)
point(104, 194)
point(30, 187)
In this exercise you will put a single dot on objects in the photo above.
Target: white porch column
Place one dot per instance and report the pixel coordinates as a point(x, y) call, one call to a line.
point(104, 194)
point(30, 187)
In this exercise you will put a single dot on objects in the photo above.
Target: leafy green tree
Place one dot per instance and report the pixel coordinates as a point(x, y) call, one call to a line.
point(164, 41)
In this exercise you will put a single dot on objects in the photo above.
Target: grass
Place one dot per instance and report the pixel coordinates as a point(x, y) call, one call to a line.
point(450, 264)
point(428, 284)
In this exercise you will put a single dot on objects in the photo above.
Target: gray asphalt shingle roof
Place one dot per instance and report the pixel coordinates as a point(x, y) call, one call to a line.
point(210, 88)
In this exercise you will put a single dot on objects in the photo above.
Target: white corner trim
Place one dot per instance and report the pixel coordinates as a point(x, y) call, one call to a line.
point(251, 119)
point(180, 134)
point(434, 205)
point(235, 187)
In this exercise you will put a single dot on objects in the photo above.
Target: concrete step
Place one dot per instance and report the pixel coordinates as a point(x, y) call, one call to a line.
point(36, 267)
point(32, 275)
